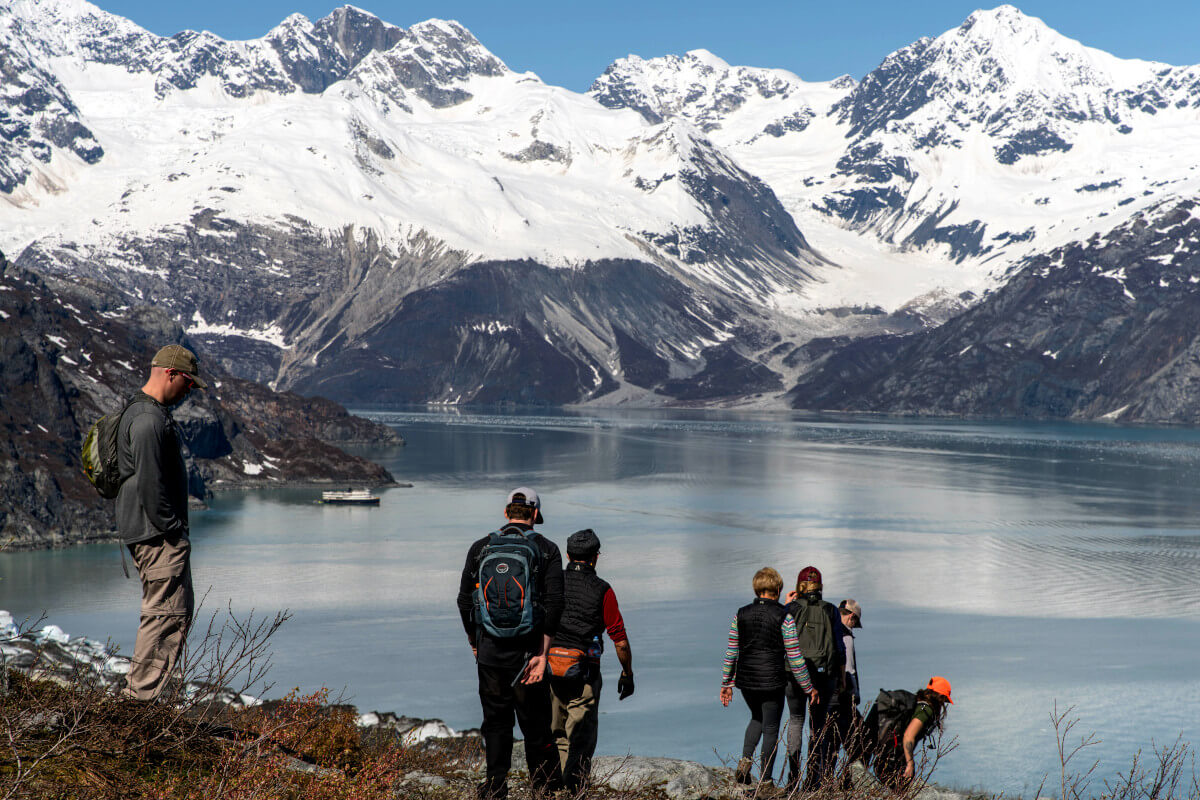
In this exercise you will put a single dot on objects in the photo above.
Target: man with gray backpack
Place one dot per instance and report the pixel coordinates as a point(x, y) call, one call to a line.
point(510, 598)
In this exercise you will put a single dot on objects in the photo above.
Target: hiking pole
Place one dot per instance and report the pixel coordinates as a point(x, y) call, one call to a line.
point(522, 671)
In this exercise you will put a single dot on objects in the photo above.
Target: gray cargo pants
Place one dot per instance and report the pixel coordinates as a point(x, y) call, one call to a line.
point(164, 566)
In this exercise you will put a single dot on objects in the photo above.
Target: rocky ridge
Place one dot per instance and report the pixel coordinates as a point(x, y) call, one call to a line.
point(1100, 329)
point(64, 362)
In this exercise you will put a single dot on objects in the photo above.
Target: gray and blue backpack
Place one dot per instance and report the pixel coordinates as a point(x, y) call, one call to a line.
point(506, 594)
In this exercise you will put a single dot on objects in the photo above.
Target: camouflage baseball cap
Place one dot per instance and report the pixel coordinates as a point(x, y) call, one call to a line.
point(175, 356)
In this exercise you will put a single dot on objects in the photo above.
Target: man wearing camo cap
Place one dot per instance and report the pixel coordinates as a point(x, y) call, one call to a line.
point(152, 517)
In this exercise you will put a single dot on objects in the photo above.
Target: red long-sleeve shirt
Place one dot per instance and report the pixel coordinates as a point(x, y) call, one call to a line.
point(613, 621)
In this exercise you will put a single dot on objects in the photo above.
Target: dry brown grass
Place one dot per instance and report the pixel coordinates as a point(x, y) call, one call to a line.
point(70, 738)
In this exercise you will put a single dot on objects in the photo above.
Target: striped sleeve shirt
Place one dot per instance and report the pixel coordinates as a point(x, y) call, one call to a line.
point(791, 645)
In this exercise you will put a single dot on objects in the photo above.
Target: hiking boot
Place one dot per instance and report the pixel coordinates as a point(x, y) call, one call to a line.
point(767, 790)
point(793, 781)
point(742, 773)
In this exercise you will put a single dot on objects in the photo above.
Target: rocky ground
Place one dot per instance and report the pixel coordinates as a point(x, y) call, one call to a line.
point(49, 653)
point(70, 353)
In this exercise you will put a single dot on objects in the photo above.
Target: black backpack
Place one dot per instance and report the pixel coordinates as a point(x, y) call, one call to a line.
point(889, 716)
point(506, 584)
point(99, 454)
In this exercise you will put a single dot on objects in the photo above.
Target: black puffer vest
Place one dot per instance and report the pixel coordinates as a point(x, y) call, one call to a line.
point(761, 657)
point(583, 617)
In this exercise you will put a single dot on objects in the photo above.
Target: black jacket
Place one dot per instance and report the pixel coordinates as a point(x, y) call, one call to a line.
point(153, 496)
point(510, 652)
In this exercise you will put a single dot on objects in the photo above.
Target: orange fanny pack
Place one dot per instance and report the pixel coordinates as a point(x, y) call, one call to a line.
point(567, 662)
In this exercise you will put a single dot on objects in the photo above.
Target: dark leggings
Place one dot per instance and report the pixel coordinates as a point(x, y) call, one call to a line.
point(766, 710)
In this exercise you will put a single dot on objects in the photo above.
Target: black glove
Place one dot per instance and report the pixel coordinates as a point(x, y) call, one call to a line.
point(624, 686)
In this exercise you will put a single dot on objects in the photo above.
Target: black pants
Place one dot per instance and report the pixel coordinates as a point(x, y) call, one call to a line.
point(766, 710)
point(822, 738)
point(850, 735)
point(530, 705)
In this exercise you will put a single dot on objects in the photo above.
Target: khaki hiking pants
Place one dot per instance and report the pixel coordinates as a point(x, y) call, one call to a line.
point(164, 565)
point(575, 718)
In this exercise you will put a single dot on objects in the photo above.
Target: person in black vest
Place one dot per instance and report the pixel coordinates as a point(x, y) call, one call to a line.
point(512, 670)
point(590, 609)
point(820, 632)
point(762, 651)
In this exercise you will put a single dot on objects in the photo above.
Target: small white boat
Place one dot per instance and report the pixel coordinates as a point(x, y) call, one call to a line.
point(350, 497)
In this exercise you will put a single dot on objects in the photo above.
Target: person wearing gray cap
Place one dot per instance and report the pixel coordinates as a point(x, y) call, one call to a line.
point(849, 720)
point(575, 681)
point(152, 517)
point(510, 598)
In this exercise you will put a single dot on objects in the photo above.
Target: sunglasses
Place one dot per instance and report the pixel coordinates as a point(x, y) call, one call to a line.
point(191, 384)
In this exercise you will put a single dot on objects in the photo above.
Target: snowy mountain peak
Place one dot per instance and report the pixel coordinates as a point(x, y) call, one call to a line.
point(706, 58)
point(450, 51)
point(1002, 72)
point(744, 102)
point(1003, 21)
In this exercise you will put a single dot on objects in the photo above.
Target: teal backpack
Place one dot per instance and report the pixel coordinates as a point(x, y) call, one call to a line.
point(506, 593)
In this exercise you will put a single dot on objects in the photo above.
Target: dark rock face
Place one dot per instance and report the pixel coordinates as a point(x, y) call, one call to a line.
point(542, 151)
point(1034, 142)
point(615, 89)
point(63, 365)
point(511, 332)
point(641, 365)
point(725, 372)
point(791, 123)
point(900, 85)
point(1103, 328)
point(428, 60)
point(964, 239)
point(316, 57)
point(747, 225)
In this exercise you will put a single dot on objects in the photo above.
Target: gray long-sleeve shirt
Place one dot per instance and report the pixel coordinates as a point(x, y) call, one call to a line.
point(851, 665)
point(153, 495)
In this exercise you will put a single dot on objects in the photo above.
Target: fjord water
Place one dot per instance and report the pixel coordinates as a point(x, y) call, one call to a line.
point(1031, 564)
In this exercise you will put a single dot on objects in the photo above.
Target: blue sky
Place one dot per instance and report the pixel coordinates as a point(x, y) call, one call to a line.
point(570, 43)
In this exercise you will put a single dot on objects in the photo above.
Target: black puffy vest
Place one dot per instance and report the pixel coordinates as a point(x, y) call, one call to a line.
point(583, 617)
point(761, 657)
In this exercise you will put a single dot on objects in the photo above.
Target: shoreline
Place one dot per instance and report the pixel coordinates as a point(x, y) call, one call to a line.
point(194, 504)
point(52, 654)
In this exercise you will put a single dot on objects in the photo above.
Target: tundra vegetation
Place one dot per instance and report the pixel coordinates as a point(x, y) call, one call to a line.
point(65, 733)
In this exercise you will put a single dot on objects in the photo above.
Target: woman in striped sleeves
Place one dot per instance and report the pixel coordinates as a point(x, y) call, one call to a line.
point(762, 639)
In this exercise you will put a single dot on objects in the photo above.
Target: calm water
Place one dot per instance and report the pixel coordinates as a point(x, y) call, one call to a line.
point(1030, 564)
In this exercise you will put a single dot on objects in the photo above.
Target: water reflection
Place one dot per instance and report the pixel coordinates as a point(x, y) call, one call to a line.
point(1028, 562)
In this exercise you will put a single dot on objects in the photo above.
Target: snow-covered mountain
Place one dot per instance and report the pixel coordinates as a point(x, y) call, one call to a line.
point(995, 140)
point(377, 212)
point(239, 184)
